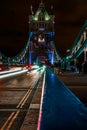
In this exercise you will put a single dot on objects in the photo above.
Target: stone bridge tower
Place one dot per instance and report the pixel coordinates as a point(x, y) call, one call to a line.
point(41, 25)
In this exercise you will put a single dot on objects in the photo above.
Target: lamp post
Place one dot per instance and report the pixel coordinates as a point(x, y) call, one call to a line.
point(85, 50)
point(67, 59)
point(84, 35)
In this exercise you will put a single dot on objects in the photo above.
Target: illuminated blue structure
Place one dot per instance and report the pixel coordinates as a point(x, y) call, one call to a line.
point(30, 58)
point(41, 24)
point(61, 109)
point(79, 47)
point(41, 42)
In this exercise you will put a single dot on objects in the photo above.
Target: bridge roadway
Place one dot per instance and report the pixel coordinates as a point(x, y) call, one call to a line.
point(17, 95)
point(61, 109)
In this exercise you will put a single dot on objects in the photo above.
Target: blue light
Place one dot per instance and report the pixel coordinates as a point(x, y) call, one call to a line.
point(51, 34)
point(30, 34)
point(52, 59)
point(52, 75)
point(30, 58)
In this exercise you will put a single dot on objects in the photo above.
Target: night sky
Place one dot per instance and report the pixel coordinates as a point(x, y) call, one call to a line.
point(70, 15)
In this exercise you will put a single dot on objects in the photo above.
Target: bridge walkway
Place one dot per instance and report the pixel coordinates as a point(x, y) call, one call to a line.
point(61, 109)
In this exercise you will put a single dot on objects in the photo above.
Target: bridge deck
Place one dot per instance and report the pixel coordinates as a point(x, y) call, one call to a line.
point(61, 109)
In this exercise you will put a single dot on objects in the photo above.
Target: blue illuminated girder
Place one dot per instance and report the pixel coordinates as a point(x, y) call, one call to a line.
point(79, 52)
point(79, 36)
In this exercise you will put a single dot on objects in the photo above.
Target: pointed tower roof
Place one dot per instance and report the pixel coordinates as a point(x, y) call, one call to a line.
point(41, 3)
point(41, 10)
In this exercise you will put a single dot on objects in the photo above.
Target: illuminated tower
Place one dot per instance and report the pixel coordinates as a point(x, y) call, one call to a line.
point(41, 24)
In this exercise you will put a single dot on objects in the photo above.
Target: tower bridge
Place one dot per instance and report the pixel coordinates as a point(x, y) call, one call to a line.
point(41, 42)
point(41, 24)
point(41, 39)
point(40, 99)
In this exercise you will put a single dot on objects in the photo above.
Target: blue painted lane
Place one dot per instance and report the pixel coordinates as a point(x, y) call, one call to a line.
point(61, 109)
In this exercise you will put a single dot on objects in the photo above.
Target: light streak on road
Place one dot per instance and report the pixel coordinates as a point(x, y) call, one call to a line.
point(11, 70)
point(12, 117)
point(37, 68)
point(13, 74)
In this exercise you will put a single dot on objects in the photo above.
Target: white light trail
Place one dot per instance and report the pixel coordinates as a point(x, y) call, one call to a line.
point(11, 70)
point(12, 74)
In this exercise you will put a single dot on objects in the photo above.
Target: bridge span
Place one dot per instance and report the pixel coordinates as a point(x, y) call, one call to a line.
point(21, 105)
point(58, 108)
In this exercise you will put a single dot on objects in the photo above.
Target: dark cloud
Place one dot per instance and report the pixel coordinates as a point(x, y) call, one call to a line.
point(70, 15)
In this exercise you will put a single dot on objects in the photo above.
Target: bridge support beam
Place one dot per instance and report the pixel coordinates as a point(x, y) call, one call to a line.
point(30, 57)
point(52, 59)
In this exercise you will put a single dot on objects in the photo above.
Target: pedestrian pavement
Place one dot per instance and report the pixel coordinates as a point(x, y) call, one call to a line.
point(61, 109)
point(73, 78)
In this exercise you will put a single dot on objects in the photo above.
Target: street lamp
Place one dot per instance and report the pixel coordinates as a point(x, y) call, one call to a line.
point(85, 50)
